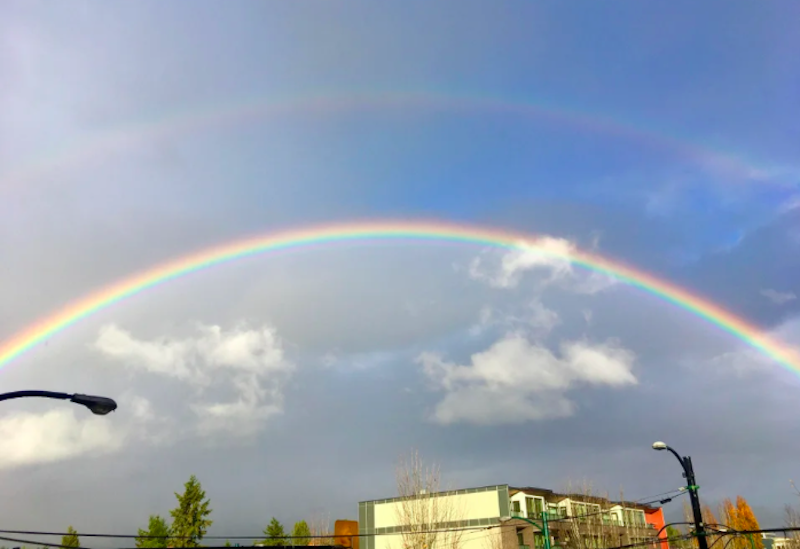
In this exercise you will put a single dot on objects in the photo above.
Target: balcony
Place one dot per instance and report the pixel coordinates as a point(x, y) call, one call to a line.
point(518, 514)
point(557, 513)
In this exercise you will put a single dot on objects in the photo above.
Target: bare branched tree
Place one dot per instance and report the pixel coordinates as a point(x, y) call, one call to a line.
point(320, 526)
point(422, 513)
point(493, 540)
point(792, 518)
point(592, 526)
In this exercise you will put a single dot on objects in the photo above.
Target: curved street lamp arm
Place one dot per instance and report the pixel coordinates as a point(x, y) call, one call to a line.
point(98, 405)
point(679, 458)
point(44, 394)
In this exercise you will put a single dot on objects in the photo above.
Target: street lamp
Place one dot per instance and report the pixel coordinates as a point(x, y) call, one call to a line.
point(688, 474)
point(97, 405)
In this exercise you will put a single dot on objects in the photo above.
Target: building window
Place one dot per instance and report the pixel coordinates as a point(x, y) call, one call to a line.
point(534, 507)
point(634, 517)
point(581, 511)
point(556, 511)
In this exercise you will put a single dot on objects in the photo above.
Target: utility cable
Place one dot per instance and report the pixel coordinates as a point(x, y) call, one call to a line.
point(34, 542)
point(638, 502)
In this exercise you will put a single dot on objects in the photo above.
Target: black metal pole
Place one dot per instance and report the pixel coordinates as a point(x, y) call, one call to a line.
point(44, 394)
point(688, 473)
point(698, 514)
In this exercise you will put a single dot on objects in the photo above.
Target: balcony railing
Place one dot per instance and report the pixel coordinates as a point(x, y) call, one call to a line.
point(557, 514)
point(535, 514)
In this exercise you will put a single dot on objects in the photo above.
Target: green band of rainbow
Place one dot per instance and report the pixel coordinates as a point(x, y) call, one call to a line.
point(420, 230)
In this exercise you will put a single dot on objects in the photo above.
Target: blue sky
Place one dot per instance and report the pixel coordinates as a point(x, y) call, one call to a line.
point(661, 136)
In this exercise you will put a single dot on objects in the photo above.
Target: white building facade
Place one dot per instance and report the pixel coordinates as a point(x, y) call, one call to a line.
point(380, 521)
point(481, 510)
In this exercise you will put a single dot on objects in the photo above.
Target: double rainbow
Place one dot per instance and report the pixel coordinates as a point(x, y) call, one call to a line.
point(391, 230)
point(196, 119)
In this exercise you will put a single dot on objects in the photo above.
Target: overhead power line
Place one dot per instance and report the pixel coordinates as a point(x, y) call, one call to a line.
point(678, 492)
point(259, 536)
point(637, 502)
point(649, 542)
point(34, 542)
point(655, 497)
point(288, 537)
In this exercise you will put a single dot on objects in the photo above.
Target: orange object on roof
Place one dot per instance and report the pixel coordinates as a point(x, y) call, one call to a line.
point(346, 533)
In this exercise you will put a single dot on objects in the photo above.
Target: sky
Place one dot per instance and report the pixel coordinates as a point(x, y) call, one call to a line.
point(131, 134)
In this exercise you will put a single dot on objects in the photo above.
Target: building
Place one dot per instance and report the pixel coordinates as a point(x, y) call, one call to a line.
point(497, 517)
point(773, 541)
point(654, 516)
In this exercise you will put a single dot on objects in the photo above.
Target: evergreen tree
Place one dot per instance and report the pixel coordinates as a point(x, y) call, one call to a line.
point(228, 543)
point(275, 534)
point(157, 527)
point(189, 518)
point(301, 533)
point(746, 520)
point(71, 538)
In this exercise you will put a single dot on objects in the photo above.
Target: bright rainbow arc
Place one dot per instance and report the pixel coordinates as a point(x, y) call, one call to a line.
point(387, 230)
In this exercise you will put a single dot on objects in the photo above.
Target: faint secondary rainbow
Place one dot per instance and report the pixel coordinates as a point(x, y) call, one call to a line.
point(197, 119)
point(391, 230)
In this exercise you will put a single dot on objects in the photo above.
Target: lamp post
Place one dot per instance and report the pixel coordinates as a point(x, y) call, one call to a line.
point(98, 405)
point(688, 473)
point(543, 526)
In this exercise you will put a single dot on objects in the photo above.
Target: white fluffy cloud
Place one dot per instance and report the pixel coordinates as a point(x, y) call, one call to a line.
point(168, 358)
point(547, 255)
point(515, 380)
point(778, 298)
point(70, 431)
point(58, 434)
point(249, 363)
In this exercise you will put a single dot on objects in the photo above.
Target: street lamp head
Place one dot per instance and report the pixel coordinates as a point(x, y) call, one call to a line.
point(96, 404)
point(659, 445)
